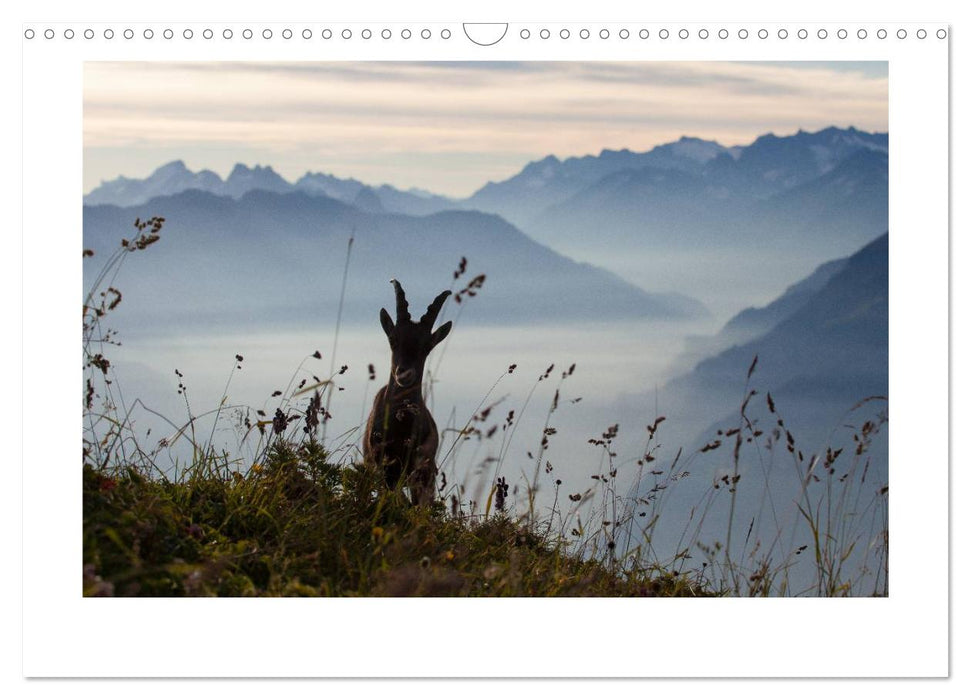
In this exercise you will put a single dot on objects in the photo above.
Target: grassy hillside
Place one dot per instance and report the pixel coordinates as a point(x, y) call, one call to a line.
point(289, 518)
point(299, 526)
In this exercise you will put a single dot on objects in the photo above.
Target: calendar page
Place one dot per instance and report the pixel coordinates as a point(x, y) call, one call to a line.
point(442, 348)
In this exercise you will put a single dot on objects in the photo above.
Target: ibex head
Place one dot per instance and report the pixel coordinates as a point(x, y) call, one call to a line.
point(410, 341)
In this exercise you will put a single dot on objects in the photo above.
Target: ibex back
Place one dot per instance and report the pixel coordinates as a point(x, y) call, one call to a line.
point(401, 435)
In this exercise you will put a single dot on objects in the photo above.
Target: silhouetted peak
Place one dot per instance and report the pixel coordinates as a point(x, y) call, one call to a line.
point(176, 167)
point(240, 170)
point(544, 163)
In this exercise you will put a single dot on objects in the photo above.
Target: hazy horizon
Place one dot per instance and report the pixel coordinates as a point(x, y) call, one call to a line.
point(448, 128)
point(224, 173)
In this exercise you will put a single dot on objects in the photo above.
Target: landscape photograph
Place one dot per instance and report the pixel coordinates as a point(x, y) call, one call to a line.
point(522, 329)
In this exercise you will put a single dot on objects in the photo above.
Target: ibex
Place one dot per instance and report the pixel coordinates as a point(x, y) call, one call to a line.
point(401, 435)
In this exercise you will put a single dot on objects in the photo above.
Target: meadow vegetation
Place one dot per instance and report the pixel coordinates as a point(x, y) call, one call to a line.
point(287, 517)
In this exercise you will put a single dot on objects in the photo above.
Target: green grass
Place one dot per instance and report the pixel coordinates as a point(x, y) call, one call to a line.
point(300, 526)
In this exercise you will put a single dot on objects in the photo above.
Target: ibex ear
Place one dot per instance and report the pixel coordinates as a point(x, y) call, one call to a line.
point(439, 335)
point(386, 323)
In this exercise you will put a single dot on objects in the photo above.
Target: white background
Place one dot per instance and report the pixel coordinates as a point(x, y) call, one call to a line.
point(905, 635)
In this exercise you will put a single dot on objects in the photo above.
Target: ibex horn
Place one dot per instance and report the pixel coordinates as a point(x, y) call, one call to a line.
point(429, 318)
point(399, 293)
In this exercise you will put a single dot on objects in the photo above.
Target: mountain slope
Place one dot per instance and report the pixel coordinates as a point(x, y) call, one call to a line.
point(752, 322)
point(269, 257)
point(850, 198)
point(830, 351)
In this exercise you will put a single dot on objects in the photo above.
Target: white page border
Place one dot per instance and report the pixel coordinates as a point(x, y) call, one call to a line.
point(905, 635)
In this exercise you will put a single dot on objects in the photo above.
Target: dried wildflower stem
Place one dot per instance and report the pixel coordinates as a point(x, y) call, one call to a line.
point(475, 412)
point(533, 486)
point(337, 330)
point(222, 402)
point(742, 422)
point(515, 426)
point(92, 332)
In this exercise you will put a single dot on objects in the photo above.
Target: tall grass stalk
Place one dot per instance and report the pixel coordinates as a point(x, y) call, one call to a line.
point(337, 328)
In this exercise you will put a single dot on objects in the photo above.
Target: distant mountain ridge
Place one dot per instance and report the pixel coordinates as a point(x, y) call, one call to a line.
point(768, 165)
point(269, 257)
point(753, 322)
point(826, 340)
point(548, 181)
point(728, 226)
point(174, 178)
point(665, 220)
point(168, 179)
point(776, 185)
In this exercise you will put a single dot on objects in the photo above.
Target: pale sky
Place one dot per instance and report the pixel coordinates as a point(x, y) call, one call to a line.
point(448, 127)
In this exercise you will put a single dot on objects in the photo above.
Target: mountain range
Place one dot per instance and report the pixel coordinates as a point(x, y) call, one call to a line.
point(820, 193)
point(255, 246)
point(175, 177)
point(553, 190)
point(269, 257)
point(731, 226)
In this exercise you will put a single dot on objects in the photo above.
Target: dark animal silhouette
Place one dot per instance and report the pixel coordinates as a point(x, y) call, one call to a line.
point(401, 435)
